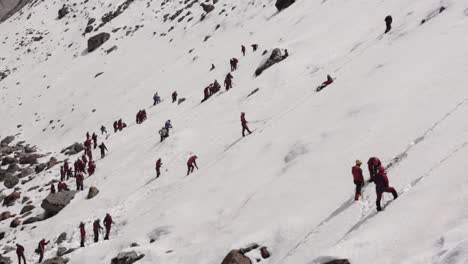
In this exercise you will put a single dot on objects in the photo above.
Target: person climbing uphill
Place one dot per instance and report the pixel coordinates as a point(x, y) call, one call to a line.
point(358, 179)
point(381, 186)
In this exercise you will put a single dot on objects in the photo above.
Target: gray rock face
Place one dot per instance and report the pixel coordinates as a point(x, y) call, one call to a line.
point(40, 167)
point(73, 149)
point(235, 257)
point(55, 202)
point(27, 208)
point(8, 160)
point(11, 199)
point(7, 141)
point(93, 191)
point(5, 260)
point(25, 172)
point(96, 41)
point(61, 238)
point(127, 258)
point(283, 4)
point(12, 168)
point(29, 158)
point(10, 180)
point(207, 8)
point(33, 219)
point(56, 260)
point(52, 162)
point(275, 57)
point(2, 175)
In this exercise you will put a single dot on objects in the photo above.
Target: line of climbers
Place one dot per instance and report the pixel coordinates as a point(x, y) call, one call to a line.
point(378, 176)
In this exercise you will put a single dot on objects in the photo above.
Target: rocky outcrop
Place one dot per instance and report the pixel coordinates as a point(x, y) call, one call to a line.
point(127, 258)
point(33, 219)
point(52, 162)
point(235, 257)
point(207, 7)
point(283, 4)
point(15, 223)
point(5, 260)
point(73, 149)
point(11, 199)
point(275, 57)
point(5, 215)
point(55, 202)
point(10, 180)
point(27, 208)
point(8, 160)
point(29, 158)
point(97, 40)
point(25, 172)
point(63, 12)
point(93, 191)
point(6, 141)
point(56, 260)
point(40, 167)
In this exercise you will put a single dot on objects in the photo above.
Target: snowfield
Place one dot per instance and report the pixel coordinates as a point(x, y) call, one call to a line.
point(402, 97)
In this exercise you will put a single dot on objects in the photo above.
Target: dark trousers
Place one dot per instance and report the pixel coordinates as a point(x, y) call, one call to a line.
point(245, 128)
point(190, 168)
point(108, 228)
point(359, 185)
point(389, 27)
point(380, 192)
point(21, 257)
point(41, 256)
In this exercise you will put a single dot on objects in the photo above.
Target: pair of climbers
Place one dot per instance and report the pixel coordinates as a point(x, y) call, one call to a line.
point(378, 176)
point(119, 125)
point(61, 186)
point(141, 116)
point(164, 132)
point(210, 90)
point(40, 250)
point(233, 62)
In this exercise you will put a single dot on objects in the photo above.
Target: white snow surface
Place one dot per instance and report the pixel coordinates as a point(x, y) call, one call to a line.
point(288, 186)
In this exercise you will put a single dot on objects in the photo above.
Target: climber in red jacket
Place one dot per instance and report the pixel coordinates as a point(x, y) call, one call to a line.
point(373, 164)
point(158, 168)
point(79, 181)
point(358, 179)
point(41, 249)
point(244, 125)
point(82, 234)
point(382, 185)
point(192, 164)
point(108, 223)
point(20, 253)
point(91, 167)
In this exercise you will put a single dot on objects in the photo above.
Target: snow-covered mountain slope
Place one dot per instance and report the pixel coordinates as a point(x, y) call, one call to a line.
point(288, 185)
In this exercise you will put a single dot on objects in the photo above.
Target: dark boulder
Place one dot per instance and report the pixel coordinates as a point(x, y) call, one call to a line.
point(96, 41)
point(12, 168)
point(15, 223)
point(338, 261)
point(73, 149)
point(5, 260)
point(235, 257)
point(10, 180)
point(275, 57)
point(283, 4)
point(127, 258)
point(52, 162)
point(56, 260)
point(29, 159)
point(207, 7)
point(11, 199)
point(7, 141)
point(63, 12)
point(55, 202)
point(27, 208)
point(25, 172)
point(93, 191)
point(33, 219)
point(40, 167)
point(5, 215)
point(61, 238)
point(8, 160)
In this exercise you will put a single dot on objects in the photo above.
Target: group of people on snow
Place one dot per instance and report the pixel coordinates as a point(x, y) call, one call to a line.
point(141, 116)
point(378, 176)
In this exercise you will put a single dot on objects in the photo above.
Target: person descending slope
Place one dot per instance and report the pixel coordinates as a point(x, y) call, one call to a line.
point(96, 229)
point(158, 168)
point(192, 164)
point(373, 164)
point(228, 81)
point(41, 249)
point(79, 181)
point(381, 186)
point(388, 24)
point(168, 124)
point(358, 179)
point(233, 63)
point(108, 224)
point(94, 138)
point(243, 50)
point(103, 130)
point(20, 253)
point(164, 132)
point(52, 188)
point(244, 125)
point(103, 149)
point(174, 96)
point(156, 99)
point(82, 234)
point(254, 47)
